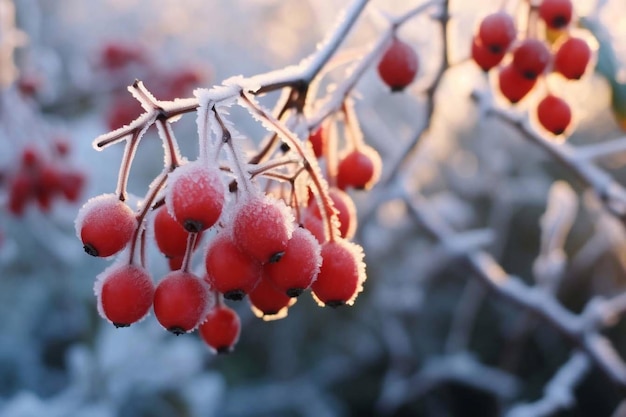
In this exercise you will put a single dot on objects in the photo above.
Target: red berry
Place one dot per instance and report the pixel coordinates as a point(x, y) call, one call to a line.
point(180, 83)
point(71, 184)
point(30, 157)
point(484, 57)
point(43, 197)
point(300, 265)
point(496, 32)
point(554, 114)
point(105, 225)
point(556, 13)
point(29, 84)
point(61, 146)
point(345, 209)
point(49, 178)
point(170, 236)
point(181, 301)
point(125, 294)
point(531, 58)
point(21, 189)
point(229, 270)
point(513, 85)
point(175, 263)
point(116, 55)
point(195, 196)
point(315, 225)
point(262, 227)
point(122, 111)
point(220, 329)
point(268, 302)
point(572, 58)
point(359, 168)
point(318, 141)
point(341, 275)
point(398, 65)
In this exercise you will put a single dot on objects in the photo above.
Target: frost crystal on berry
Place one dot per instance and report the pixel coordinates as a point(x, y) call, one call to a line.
point(105, 225)
point(195, 196)
point(341, 275)
point(124, 293)
point(181, 301)
point(262, 226)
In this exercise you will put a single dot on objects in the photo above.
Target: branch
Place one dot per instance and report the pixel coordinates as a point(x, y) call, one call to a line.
point(461, 368)
point(580, 330)
point(343, 90)
point(609, 192)
point(559, 392)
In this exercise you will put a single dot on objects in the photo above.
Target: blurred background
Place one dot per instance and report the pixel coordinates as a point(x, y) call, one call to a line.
point(425, 338)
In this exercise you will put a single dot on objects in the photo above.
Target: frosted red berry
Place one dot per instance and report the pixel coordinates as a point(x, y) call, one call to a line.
point(318, 141)
point(169, 235)
point(484, 57)
point(180, 301)
point(220, 329)
point(230, 271)
point(315, 225)
point(262, 227)
point(195, 196)
point(345, 209)
point(496, 32)
point(341, 275)
point(556, 13)
point(554, 114)
point(572, 58)
point(125, 294)
point(513, 85)
point(359, 168)
point(268, 302)
point(298, 267)
point(105, 225)
point(531, 58)
point(398, 65)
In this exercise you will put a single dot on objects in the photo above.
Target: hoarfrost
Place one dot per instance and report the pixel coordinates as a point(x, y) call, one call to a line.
point(137, 272)
point(197, 178)
point(96, 208)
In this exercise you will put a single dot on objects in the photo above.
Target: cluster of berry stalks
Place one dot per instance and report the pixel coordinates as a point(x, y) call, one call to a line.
point(528, 60)
point(41, 177)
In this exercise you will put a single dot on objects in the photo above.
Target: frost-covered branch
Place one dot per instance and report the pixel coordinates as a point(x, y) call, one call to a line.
point(559, 392)
point(604, 150)
point(610, 192)
point(580, 330)
point(431, 90)
point(461, 368)
point(345, 87)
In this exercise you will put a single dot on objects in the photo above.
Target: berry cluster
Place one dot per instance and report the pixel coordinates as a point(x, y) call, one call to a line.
point(267, 227)
point(41, 177)
point(523, 62)
point(266, 231)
